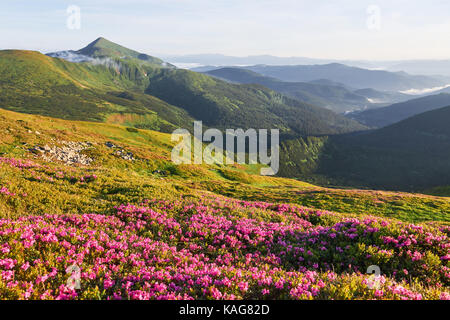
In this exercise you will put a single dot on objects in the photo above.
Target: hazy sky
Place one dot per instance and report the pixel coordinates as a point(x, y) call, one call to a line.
point(340, 29)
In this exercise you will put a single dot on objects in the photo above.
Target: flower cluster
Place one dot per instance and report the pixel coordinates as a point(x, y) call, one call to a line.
point(218, 248)
point(40, 173)
point(5, 191)
point(88, 178)
point(18, 163)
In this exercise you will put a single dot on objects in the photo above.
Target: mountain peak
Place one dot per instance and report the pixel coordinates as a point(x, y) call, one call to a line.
point(104, 48)
point(100, 41)
point(101, 47)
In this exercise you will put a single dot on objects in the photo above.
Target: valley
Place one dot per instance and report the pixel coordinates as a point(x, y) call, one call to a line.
point(318, 145)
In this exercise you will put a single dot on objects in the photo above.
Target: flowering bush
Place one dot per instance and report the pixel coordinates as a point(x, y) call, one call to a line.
point(220, 248)
point(5, 191)
point(38, 172)
point(18, 163)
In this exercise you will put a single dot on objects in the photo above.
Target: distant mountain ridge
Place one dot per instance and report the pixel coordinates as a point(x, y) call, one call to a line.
point(330, 96)
point(400, 111)
point(351, 76)
point(383, 96)
point(416, 67)
point(322, 92)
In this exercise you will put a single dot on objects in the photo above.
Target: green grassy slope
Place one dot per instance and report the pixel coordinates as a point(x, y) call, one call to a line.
point(410, 155)
point(152, 175)
point(34, 83)
point(102, 47)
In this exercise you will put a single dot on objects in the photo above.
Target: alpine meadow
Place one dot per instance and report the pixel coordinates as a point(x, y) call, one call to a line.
point(319, 178)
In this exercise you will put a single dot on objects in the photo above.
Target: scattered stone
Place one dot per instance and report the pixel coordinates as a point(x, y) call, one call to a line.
point(133, 130)
point(120, 152)
point(124, 155)
point(69, 153)
point(109, 144)
point(160, 172)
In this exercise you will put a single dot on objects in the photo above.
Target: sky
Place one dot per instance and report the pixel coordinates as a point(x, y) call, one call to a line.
point(328, 29)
